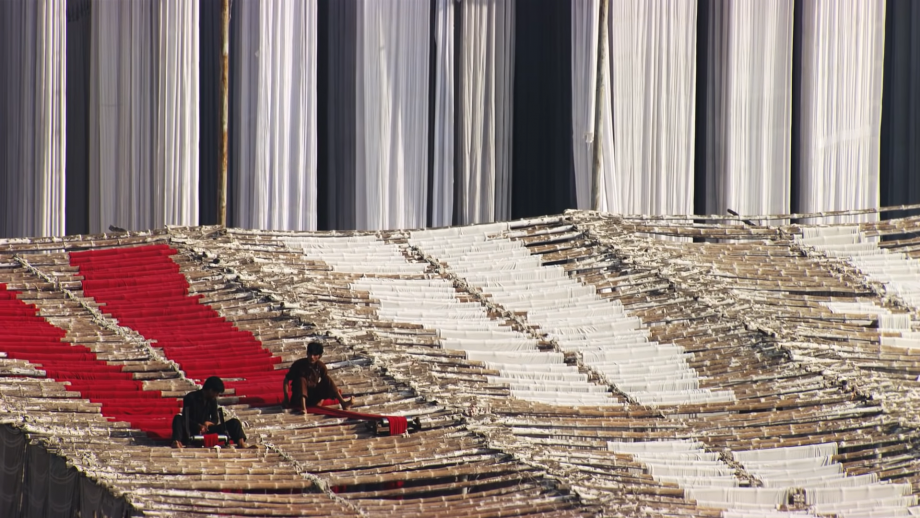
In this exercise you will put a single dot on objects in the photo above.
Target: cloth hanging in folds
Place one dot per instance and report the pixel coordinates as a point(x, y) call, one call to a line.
point(177, 130)
point(840, 119)
point(392, 113)
point(123, 100)
point(486, 85)
point(749, 107)
point(442, 174)
point(652, 45)
point(33, 61)
point(275, 145)
point(13, 455)
point(593, 188)
point(144, 114)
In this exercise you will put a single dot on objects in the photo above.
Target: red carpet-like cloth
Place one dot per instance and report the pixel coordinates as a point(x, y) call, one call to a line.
point(24, 335)
point(398, 424)
point(143, 288)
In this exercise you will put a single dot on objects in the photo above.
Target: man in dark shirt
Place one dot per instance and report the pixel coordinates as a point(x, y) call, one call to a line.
point(200, 415)
point(310, 382)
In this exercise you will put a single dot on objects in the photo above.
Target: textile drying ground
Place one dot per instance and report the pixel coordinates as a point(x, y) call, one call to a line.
point(571, 365)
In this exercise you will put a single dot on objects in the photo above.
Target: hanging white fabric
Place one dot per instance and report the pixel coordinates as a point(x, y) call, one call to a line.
point(653, 56)
point(275, 145)
point(842, 61)
point(177, 129)
point(749, 92)
point(392, 113)
point(34, 44)
point(123, 104)
point(144, 114)
point(594, 175)
point(442, 188)
point(487, 80)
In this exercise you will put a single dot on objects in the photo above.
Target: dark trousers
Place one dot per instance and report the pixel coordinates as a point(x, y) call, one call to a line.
point(232, 428)
point(325, 389)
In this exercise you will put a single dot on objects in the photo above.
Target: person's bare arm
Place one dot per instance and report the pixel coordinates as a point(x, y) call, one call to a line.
point(285, 401)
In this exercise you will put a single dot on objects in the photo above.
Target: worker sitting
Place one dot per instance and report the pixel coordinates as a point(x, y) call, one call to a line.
point(200, 417)
point(310, 382)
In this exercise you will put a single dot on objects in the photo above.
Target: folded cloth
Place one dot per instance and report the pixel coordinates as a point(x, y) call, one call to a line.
point(211, 440)
point(398, 424)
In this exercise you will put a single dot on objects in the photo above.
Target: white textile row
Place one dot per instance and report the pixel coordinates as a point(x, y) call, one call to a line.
point(827, 487)
point(530, 374)
point(898, 271)
point(683, 462)
point(610, 342)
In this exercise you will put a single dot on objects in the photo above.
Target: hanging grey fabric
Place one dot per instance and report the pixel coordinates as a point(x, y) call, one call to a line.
point(592, 121)
point(486, 84)
point(275, 144)
point(392, 113)
point(749, 107)
point(652, 50)
point(12, 464)
point(842, 60)
point(33, 60)
point(442, 188)
point(144, 114)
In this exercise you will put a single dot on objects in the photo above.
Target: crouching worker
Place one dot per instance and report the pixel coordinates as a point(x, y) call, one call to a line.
point(310, 382)
point(200, 415)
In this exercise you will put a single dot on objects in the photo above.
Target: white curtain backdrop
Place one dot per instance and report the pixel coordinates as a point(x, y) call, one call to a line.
point(842, 60)
point(32, 179)
point(653, 56)
point(144, 114)
point(487, 81)
point(442, 189)
point(585, 52)
point(749, 91)
point(176, 177)
point(274, 147)
point(123, 100)
point(392, 113)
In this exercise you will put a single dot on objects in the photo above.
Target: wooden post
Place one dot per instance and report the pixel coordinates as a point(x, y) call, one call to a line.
point(222, 146)
point(599, 103)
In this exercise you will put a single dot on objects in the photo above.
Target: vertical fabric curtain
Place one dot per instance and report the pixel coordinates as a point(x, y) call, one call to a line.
point(337, 54)
point(749, 99)
point(900, 153)
point(32, 117)
point(653, 46)
point(177, 130)
point(486, 85)
point(842, 63)
point(144, 114)
point(275, 144)
point(392, 113)
point(442, 188)
point(12, 465)
point(123, 103)
point(591, 185)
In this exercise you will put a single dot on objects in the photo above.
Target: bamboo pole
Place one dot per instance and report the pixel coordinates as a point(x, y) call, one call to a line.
point(224, 114)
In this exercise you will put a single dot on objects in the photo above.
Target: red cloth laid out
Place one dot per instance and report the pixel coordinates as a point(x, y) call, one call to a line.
point(27, 336)
point(398, 424)
point(144, 289)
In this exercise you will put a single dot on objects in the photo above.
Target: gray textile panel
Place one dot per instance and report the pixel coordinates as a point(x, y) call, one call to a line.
point(62, 485)
point(35, 490)
point(97, 502)
point(12, 452)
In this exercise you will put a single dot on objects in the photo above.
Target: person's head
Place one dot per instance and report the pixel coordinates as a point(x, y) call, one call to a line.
point(314, 351)
point(213, 387)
